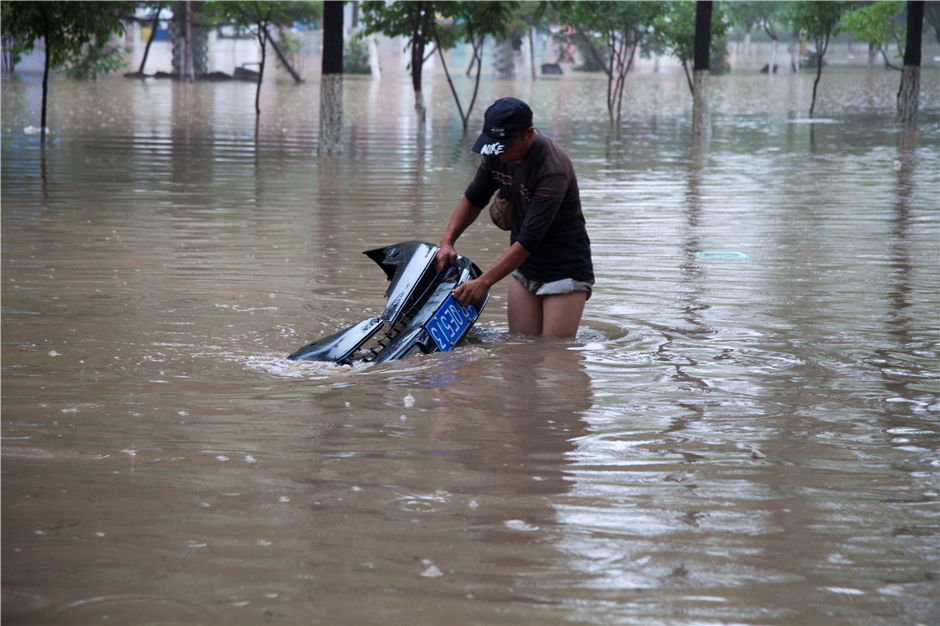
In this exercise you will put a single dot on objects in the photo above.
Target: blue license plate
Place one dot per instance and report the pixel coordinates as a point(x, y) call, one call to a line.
point(449, 323)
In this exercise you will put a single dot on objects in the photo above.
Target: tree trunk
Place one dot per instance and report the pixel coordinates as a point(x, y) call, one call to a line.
point(701, 119)
point(703, 35)
point(773, 58)
point(795, 53)
point(331, 82)
point(262, 39)
point(420, 109)
point(819, 65)
point(597, 56)
point(188, 43)
point(374, 59)
point(420, 26)
point(932, 17)
point(151, 38)
point(688, 77)
point(532, 54)
point(332, 60)
point(909, 93)
point(623, 69)
point(417, 64)
point(331, 114)
point(504, 64)
point(478, 59)
point(45, 91)
point(283, 59)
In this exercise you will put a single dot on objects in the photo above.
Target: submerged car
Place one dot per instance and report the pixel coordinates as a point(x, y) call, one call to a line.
point(421, 314)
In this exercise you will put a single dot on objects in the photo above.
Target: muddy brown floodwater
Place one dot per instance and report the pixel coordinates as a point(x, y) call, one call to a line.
point(745, 430)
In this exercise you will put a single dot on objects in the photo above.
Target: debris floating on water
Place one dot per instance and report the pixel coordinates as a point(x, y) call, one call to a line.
point(432, 571)
point(720, 254)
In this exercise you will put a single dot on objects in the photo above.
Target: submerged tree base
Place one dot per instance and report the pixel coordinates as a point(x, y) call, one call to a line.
point(331, 114)
point(701, 118)
point(909, 95)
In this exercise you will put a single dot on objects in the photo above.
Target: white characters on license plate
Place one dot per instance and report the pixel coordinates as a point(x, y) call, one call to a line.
point(449, 323)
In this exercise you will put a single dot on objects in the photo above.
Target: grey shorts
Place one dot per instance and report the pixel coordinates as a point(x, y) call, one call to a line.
point(556, 287)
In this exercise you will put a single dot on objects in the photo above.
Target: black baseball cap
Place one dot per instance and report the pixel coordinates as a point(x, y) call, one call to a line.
point(506, 119)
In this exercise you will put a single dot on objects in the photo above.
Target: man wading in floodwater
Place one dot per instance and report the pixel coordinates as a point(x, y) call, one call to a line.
point(550, 254)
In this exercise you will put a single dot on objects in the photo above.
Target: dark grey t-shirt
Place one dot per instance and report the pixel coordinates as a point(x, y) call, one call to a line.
point(547, 218)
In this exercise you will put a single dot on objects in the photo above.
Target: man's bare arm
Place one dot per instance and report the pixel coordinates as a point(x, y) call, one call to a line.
point(464, 215)
point(473, 290)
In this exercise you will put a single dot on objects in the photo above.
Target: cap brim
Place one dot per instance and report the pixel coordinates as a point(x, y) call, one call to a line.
point(491, 146)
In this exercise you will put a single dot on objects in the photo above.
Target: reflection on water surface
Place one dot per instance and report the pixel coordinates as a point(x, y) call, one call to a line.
point(745, 429)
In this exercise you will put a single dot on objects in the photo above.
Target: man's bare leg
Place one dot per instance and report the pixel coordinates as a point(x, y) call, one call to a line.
point(525, 309)
point(561, 313)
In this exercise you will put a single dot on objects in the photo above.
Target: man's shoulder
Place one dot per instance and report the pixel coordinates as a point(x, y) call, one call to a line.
point(552, 157)
point(551, 147)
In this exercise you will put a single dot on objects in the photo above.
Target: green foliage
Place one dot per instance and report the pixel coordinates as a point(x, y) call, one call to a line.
point(604, 31)
point(472, 22)
point(11, 58)
point(356, 58)
point(250, 14)
point(612, 33)
point(677, 28)
point(879, 24)
point(521, 17)
point(932, 18)
point(255, 15)
point(295, 13)
point(66, 27)
point(445, 23)
point(477, 19)
point(718, 61)
point(440, 23)
point(819, 21)
point(592, 49)
point(414, 20)
point(97, 58)
point(747, 15)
